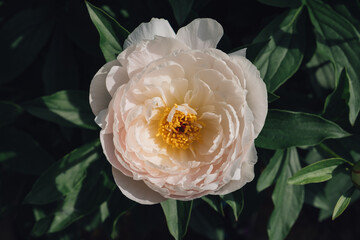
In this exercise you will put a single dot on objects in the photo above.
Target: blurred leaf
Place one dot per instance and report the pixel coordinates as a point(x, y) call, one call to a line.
point(181, 9)
point(214, 202)
point(343, 203)
point(21, 153)
point(321, 71)
point(64, 176)
point(9, 111)
point(281, 57)
point(112, 34)
point(236, 201)
point(177, 215)
point(281, 3)
point(22, 38)
point(272, 97)
point(271, 171)
point(339, 42)
point(315, 196)
point(68, 108)
point(60, 69)
point(317, 172)
point(288, 199)
point(285, 129)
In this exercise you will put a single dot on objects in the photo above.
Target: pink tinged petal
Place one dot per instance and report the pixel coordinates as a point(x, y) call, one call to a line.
point(201, 33)
point(137, 191)
point(117, 76)
point(99, 96)
point(246, 172)
point(147, 31)
point(257, 94)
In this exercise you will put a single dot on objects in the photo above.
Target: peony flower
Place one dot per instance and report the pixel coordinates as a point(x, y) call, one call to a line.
point(178, 116)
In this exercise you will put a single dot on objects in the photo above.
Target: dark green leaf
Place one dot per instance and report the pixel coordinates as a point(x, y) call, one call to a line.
point(215, 202)
point(9, 112)
point(236, 201)
point(288, 199)
point(317, 172)
point(181, 9)
point(282, 3)
point(271, 171)
point(285, 129)
point(321, 71)
point(21, 153)
point(338, 41)
point(22, 38)
point(177, 215)
point(342, 203)
point(60, 69)
point(272, 97)
point(112, 34)
point(64, 176)
point(68, 108)
point(281, 57)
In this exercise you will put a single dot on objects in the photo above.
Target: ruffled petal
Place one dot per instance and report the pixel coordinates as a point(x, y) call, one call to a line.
point(99, 96)
point(147, 31)
point(201, 33)
point(137, 191)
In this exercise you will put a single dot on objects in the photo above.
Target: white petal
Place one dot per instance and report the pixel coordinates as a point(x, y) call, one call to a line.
point(147, 31)
point(116, 77)
point(201, 33)
point(99, 96)
point(137, 191)
point(241, 53)
point(257, 94)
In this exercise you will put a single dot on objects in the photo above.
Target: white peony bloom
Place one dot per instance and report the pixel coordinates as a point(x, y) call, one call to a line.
point(178, 116)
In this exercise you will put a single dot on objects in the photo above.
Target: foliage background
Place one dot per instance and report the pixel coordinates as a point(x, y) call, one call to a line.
point(48, 46)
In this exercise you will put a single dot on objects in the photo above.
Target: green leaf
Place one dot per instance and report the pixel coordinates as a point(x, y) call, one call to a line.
point(236, 201)
point(288, 199)
point(215, 202)
point(339, 42)
point(177, 215)
point(281, 57)
point(317, 172)
point(60, 69)
point(342, 203)
point(21, 153)
point(22, 38)
point(68, 108)
point(321, 71)
point(112, 34)
point(181, 9)
point(285, 129)
point(64, 176)
point(9, 112)
point(281, 3)
point(272, 97)
point(271, 171)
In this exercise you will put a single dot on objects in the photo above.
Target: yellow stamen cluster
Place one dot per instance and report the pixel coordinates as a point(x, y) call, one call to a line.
point(181, 131)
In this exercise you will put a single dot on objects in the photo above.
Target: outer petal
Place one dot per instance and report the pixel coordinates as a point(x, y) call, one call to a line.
point(147, 31)
point(241, 53)
point(137, 191)
point(201, 33)
point(99, 96)
point(257, 94)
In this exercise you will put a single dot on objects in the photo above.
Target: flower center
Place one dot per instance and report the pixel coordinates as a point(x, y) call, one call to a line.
point(179, 126)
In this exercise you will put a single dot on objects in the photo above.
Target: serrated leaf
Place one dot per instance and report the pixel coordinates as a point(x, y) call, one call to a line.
point(285, 129)
point(181, 9)
point(214, 202)
point(288, 199)
point(112, 34)
point(22, 38)
point(177, 215)
point(9, 111)
point(342, 203)
point(68, 108)
point(236, 201)
point(317, 172)
point(271, 171)
point(338, 41)
point(281, 57)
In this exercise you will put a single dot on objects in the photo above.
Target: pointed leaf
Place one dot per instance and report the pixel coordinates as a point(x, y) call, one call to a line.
point(236, 201)
point(214, 202)
point(317, 172)
point(285, 129)
point(342, 203)
point(177, 215)
point(112, 34)
point(271, 171)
